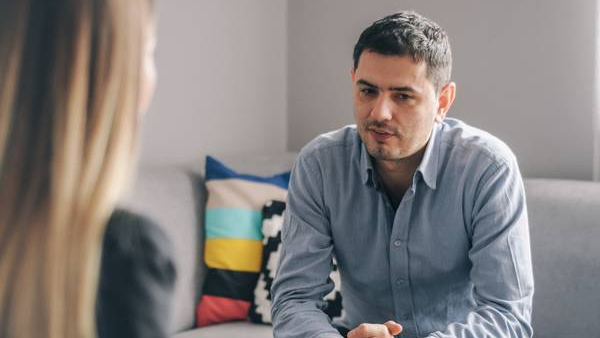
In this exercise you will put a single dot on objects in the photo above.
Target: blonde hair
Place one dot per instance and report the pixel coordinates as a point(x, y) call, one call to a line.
point(70, 75)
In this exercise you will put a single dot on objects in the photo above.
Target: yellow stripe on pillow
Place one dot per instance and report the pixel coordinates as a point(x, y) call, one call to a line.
point(233, 254)
point(244, 194)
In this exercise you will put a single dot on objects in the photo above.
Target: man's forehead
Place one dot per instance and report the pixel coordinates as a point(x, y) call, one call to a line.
point(389, 71)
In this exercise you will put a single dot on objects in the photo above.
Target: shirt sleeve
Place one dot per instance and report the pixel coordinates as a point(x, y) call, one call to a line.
point(302, 278)
point(501, 260)
point(137, 279)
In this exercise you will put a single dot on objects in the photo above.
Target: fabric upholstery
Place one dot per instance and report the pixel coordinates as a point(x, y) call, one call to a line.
point(233, 330)
point(564, 219)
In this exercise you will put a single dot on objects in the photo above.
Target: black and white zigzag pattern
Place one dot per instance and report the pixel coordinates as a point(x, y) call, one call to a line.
point(260, 312)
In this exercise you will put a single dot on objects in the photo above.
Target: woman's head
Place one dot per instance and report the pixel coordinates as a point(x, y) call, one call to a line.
point(74, 77)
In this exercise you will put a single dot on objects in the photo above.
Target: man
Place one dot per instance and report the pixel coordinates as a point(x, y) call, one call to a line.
point(425, 215)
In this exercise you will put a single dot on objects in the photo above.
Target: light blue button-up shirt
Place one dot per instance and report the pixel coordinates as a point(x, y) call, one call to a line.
point(453, 260)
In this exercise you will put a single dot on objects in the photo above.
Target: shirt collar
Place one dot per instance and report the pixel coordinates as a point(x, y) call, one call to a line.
point(429, 164)
point(428, 167)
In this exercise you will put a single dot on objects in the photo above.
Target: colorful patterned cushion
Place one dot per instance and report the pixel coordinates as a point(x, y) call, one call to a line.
point(260, 312)
point(233, 248)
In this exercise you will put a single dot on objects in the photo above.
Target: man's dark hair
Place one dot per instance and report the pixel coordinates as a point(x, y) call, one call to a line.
point(408, 33)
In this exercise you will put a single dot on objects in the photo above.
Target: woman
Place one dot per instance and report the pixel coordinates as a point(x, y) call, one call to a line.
point(75, 76)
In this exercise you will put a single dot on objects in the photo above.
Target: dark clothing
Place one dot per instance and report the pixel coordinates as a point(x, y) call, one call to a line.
point(137, 278)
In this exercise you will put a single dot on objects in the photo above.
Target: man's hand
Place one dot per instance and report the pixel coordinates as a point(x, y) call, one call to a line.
point(386, 330)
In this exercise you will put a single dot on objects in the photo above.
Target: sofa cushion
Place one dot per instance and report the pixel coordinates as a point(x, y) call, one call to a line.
point(564, 219)
point(235, 330)
point(233, 247)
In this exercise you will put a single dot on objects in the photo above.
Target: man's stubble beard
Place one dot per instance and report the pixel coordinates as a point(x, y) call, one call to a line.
point(378, 151)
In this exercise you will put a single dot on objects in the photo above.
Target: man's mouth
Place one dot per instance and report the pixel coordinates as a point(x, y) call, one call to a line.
point(380, 135)
point(381, 131)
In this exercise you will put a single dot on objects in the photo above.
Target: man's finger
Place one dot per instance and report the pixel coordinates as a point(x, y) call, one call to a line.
point(393, 327)
point(369, 330)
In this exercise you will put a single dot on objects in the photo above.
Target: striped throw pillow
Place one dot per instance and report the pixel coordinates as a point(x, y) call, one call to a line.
point(233, 247)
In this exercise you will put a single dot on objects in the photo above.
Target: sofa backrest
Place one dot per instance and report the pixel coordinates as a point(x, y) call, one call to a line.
point(564, 218)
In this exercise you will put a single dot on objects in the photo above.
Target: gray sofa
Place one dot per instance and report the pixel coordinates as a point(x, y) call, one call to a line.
point(565, 231)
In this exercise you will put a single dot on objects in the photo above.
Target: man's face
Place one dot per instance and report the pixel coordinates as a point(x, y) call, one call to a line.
point(395, 105)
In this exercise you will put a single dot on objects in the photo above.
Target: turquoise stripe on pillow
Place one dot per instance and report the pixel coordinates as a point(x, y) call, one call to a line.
point(233, 223)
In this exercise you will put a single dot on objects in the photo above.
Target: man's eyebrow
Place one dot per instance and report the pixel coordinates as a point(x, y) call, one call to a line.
point(396, 89)
point(366, 83)
point(403, 89)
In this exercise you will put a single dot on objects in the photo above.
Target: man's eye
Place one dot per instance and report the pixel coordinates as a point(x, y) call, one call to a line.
point(368, 91)
point(403, 97)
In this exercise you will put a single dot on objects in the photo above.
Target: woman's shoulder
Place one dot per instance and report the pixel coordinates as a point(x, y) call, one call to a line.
point(137, 278)
point(131, 233)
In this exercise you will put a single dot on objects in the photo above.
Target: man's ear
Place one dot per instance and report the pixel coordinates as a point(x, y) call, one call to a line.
point(353, 73)
point(445, 100)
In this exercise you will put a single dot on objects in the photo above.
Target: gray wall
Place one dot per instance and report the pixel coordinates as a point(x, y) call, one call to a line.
point(269, 75)
point(222, 80)
point(524, 70)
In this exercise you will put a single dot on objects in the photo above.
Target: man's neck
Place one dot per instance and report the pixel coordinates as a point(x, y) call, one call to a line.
point(396, 176)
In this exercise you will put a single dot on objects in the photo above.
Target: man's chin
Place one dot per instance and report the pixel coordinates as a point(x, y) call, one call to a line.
point(382, 154)
point(381, 151)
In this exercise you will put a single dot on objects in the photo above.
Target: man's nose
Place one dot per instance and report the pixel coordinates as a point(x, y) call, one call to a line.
point(382, 111)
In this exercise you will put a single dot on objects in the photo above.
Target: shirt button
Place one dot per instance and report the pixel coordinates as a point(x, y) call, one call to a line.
point(399, 281)
point(397, 242)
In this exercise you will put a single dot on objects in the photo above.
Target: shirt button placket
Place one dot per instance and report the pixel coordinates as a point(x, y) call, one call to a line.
point(399, 265)
point(400, 281)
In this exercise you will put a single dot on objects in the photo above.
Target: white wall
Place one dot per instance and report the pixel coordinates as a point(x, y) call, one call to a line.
point(524, 69)
point(222, 80)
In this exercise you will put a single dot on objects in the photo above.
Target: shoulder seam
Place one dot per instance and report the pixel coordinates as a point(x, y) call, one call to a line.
point(327, 147)
point(498, 160)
